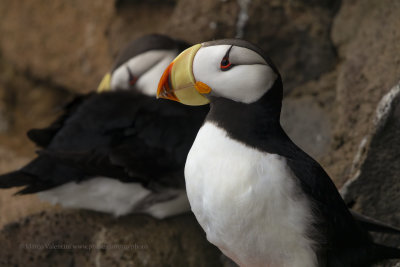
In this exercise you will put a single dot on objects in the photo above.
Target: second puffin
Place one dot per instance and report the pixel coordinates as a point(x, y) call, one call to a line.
point(120, 151)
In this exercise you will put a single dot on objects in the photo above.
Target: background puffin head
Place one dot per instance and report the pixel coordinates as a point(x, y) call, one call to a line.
point(140, 64)
point(231, 68)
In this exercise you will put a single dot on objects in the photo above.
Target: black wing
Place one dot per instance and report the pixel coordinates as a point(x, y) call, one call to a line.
point(44, 172)
point(373, 225)
point(41, 174)
point(146, 138)
point(42, 137)
point(124, 135)
point(334, 216)
point(343, 239)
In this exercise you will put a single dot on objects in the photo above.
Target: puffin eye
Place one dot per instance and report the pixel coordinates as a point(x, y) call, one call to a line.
point(132, 79)
point(225, 63)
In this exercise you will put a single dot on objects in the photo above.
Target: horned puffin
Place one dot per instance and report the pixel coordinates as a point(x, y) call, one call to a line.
point(109, 151)
point(260, 199)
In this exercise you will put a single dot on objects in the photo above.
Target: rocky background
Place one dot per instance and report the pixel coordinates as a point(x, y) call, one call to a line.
point(340, 61)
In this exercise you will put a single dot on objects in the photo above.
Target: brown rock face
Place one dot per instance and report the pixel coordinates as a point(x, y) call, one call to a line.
point(26, 104)
point(367, 36)
point(63, 42)
point(337, 59)
point(377, 181)
point(296, 34)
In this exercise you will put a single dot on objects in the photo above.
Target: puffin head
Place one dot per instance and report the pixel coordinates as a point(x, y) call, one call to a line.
point(141, 63)
point(233, 69)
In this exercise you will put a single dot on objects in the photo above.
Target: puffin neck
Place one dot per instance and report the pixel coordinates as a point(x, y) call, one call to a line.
point(253, 124)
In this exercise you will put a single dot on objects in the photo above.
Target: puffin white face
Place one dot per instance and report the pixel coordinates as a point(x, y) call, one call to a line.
point(142, 72)
point(226, 69)
point(233, 72)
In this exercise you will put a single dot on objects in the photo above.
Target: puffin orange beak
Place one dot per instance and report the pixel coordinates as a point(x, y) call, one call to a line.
point(164, 89)
point(178, 83)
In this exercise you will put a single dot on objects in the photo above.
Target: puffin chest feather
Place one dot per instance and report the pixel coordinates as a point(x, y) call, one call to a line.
point(248, 202)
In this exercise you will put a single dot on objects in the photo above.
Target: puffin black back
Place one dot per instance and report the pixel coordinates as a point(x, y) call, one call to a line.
point(42, 137)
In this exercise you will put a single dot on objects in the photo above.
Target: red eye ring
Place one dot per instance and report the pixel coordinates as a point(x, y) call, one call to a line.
point(225, 64)
point(133, 80)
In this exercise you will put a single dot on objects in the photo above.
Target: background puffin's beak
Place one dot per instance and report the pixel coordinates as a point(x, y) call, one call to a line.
point(178, 83)
point(164, 89)
point(105, 84)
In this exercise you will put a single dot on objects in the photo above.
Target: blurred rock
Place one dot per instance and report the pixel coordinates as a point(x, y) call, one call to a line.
point(24, 104)
point(134, 18)
point(296, 35)
point(3, 122)
point(367, 36)
point(63, 42)
point(375, 190)
point(308, 124)
point(199, 21)
point(81, 238)
point(308, 115)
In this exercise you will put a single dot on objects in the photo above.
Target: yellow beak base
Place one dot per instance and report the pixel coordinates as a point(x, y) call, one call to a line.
point(105, 84)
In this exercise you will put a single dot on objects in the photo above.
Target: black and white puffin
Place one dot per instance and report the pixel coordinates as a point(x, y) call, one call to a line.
point(107, 152)
point(260, 199)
